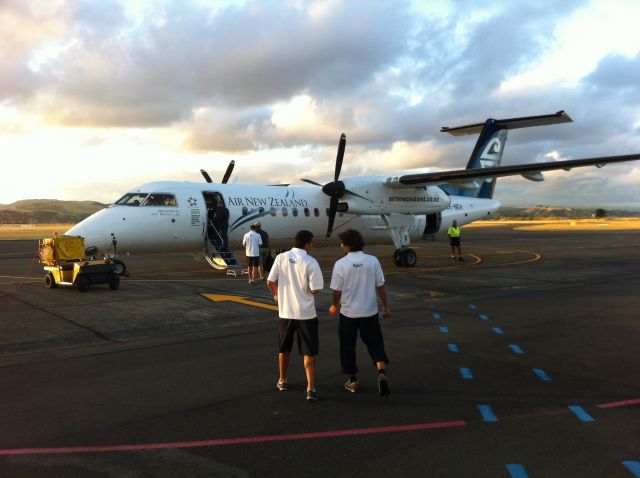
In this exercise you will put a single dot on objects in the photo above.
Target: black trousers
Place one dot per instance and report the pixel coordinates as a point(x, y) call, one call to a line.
point(371, 335)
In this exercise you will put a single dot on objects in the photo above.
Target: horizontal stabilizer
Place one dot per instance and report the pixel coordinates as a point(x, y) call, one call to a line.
point(510, 123)
point(459, 175)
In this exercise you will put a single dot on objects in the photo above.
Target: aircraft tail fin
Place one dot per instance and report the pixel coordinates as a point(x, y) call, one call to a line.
point(488, 150)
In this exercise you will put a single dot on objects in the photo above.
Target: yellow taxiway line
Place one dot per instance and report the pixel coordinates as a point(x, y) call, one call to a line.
point(239, 300)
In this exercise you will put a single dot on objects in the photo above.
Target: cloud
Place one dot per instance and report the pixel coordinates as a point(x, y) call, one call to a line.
point(274, 84)
point(183, 57)
point(28, 27)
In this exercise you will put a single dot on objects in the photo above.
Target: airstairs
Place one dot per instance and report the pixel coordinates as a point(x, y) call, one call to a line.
point(219, 257)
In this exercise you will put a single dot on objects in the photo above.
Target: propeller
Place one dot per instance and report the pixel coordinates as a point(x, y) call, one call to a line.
point(335, 189)
point(226, 176)
point(207, 178)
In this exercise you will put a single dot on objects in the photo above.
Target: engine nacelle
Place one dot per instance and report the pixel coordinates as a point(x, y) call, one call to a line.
point(377, 198)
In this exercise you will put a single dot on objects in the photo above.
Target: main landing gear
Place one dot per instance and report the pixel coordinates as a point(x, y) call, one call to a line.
point(405, 257)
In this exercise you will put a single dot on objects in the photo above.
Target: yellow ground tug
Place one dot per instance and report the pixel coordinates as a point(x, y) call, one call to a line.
point(65, 265)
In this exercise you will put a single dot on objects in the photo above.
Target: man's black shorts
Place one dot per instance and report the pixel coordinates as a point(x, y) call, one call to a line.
point(307, 332)
point(454, 241)
point(253, 261)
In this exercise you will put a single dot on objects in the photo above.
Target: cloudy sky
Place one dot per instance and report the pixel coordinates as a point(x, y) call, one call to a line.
point(99, 96)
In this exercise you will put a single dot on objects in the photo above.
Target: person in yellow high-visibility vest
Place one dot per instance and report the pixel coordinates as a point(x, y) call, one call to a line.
point(454, 241)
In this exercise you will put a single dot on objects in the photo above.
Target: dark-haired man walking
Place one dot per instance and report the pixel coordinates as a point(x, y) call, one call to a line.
point(295, 278)
point(356, 279)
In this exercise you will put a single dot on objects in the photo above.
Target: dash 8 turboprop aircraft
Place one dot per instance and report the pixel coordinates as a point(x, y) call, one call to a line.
point(176, 216)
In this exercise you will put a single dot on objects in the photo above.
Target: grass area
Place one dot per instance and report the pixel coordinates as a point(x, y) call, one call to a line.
point(31, 231)
point(564, 224)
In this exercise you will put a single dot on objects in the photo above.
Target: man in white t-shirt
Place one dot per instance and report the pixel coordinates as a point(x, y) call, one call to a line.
point(252, 241)
point(294, 279)
point(355, 280)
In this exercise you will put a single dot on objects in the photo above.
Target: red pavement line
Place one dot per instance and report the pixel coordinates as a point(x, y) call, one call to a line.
point(229, 441)
point(622, 403)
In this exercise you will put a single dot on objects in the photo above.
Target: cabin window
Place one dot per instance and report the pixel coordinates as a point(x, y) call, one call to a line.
point(132, 199)
point(285, 212)
point(306, 212)
point(245, 211)
point(261, 211)
point(294, 211)
point(273, 211)
point(160, 199)
point(316, 212)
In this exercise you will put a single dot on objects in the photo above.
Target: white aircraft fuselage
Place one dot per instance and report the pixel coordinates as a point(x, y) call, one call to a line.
point(282, 210)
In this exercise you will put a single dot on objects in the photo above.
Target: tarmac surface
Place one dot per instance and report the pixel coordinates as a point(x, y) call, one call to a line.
point(522, 361)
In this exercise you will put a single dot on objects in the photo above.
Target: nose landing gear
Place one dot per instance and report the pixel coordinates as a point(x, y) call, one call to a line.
point(120, 267)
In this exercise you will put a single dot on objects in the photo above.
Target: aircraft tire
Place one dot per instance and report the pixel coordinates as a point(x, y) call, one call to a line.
point(82, 283)
point(410, 258)
point(398, 258)
point(121, 267)
point(49, 281)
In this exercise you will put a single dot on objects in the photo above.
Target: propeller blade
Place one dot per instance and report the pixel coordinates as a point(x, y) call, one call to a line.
point(227, 174)
point(340, 156)
point(357, 195)
point(207, 178)
point(333, 208)
point(310, 182)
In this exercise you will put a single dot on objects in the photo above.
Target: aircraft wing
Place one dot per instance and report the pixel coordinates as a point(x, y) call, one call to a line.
point(531, 171)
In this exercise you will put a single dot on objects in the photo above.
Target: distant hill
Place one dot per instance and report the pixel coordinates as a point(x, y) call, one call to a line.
point(47, 211)
point(545, 212)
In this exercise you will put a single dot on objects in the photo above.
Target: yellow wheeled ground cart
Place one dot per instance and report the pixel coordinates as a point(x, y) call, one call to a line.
point(65, 265)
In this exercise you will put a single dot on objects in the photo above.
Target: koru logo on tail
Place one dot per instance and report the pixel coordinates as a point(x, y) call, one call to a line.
point(492, 152)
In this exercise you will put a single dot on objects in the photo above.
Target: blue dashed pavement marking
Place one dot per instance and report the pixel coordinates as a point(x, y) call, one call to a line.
point(542, 375)
point(483, 317)
point(517, 471)
point(453, 348)
point(633, 467)
point(466, 373)
point(472, 306)
point(436, 316)
point(497, 330)
point(487, 413)
point(444, 330)
point(516, 349)
point(581, 413)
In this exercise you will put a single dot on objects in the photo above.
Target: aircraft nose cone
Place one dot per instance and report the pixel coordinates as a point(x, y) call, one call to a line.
point(92, 230)
point(77, 230)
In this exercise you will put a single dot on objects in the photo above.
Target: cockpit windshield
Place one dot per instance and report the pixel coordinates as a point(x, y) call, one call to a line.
point(160, 199)
point(147, 199)
point(132, 199)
